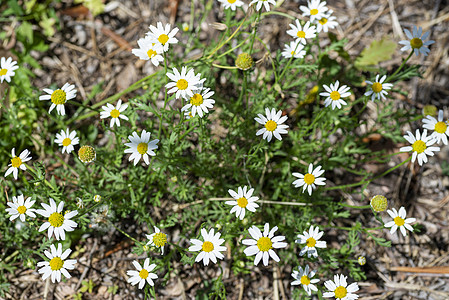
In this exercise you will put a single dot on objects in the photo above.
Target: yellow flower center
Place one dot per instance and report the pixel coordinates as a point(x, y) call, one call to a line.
point(314, 11)
point(232, 1)
point(151, 53)
point(143, 274)
point(301, 34)
point(242, 202)
point(163, 38)
point(419, 146)
point(196, 100)
point(182, 84)
point(440, 127)
point(86, 154)
point(271, 125)
point(340, 292)
point(377, 87)
point(292, 53)
point(310, 242)
point(56, 263)
point(115, 113)
point(142, 148)
point(305, 280)
point(66, 142)
point(379, 203)
point(416, 43)
point(16, 162)
point(208, 246)
point(335, 95)
point(56, 219)
point(399, 221)
point(3, 72)
point(58, 97)
point(264, 244)
point(160, 239)
point(21, 209)
point(309, 178)
point(323, 21)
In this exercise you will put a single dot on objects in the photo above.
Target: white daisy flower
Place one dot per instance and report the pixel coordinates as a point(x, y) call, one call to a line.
point(272, 124)
point(440, 127)
point(334, 95)
point(302, 33)
point(67, 140)
point(157, 239)
point(378, 88)
point(142, 274)
point(20, 207)
point(315, 9)
point(149, 50)
point(311, 239)
point(326, 22)
point(57, 265)
point(340, 290)
point(420, 146)
point(7, 68)
point(305, 279)
point(416, 42)
point(57, 222)
point(163, 35)
point(295, 49)
point(141, 147)
point(310, 180)
point(184, 83)
point(262, 244)
point(232, 4)
point(17, 162)
point(188, 114)
point(200, 102)
point(399, 221)
point(114, 112)
point(264, 2)
point(210, 248)
point(59, 97)
point(243, 200)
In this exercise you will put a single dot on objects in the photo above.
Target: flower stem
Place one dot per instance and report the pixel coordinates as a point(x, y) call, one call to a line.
point(400, 67)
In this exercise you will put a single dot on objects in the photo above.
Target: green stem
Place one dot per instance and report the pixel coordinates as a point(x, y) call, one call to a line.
point(355, 206)
point(127, 235)
point(400, 67)
point(35, 176)
point(288, 64)
point(255, 31)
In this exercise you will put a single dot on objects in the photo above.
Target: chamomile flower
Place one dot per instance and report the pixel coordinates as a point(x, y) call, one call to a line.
point(312, 241)
point(58, 223)
point(7, 68)
point(67, 140)
point(162, 35)
point(266, 3)
point(272, 124)
point(416, 42)
point(340, 290)
point(310, 180)
point(378, 88)
point(399, 221)
point(115, 112)
point(17, 162)
point(58, 264)
point(141, 147)
point(210, 248)
point(244, 200)
point(315, 9)
point(304, 278)
point(301, 33)
point(20, 207)
point(295, 49)
point(184, 83)
point(200, 102)
point(440, 127)
point(262, 244)
point(59, 97)
point(157, 239)
point(335, 94)
point(142, 274)
point(232, 4)
point(326, 22)
point(149, 50)
point(421, 146)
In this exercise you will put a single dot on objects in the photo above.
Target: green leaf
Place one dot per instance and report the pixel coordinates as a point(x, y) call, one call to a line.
point(377, 52)
point(25, 31)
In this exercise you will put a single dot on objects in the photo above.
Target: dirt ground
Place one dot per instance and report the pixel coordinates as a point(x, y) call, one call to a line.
point(89, 50)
